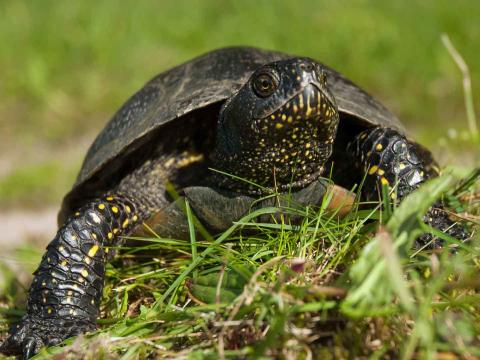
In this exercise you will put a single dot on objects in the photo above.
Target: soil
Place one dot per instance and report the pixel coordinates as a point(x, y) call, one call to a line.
point(32, 226)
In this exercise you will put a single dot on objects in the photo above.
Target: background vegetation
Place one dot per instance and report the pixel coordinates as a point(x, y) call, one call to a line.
point(67, 66)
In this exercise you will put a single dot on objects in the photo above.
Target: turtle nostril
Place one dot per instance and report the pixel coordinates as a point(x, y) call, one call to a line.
point(306, 67)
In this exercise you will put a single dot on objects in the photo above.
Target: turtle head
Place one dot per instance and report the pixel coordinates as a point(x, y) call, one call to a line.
point(280, 126)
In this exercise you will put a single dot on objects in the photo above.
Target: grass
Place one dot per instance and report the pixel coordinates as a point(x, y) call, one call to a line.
point(323, 285)
point(37, 184)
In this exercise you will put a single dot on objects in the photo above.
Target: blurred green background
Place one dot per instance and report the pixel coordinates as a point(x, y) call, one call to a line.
point(67, 66)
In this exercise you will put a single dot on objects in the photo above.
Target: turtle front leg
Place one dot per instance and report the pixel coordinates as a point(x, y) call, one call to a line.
point(386, 157)
point(64, 298)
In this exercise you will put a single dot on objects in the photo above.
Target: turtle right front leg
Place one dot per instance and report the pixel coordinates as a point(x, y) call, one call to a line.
point(63, 300)
point(388, 158)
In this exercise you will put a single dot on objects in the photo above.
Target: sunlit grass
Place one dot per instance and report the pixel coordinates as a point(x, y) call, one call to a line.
point(322, 285)
point(35, 185)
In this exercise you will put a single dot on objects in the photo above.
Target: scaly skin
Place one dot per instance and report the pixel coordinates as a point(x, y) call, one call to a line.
point(65, 295)
point(388, 158)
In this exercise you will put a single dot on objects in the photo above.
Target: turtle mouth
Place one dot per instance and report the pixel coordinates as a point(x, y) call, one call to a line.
point(308, 103)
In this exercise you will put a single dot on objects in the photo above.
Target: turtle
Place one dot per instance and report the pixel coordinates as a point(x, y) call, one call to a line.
point(223, 130)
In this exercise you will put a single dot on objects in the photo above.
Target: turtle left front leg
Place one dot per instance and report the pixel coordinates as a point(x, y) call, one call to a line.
point(386, 157)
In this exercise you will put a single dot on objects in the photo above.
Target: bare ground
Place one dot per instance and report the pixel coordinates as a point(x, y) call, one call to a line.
point(20, 226)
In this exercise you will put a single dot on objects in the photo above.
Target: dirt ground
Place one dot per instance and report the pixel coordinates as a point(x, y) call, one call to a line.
point(20, 226)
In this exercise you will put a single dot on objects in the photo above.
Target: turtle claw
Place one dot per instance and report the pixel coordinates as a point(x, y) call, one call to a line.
point(31, 346)
point(13, 344)
point(32, 333)
point(23, 340)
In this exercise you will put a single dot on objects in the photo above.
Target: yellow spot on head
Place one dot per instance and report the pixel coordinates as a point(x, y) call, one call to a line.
point(309, 110)
point(127, 209)
point(169, 162)
point(308, 145)
point(380, 172)
point(378, 147)
point(93, 250)
point(384, 181)
point(110, 198)
point(101, 206)
point(190, 159)
point(294, 136)
point(272, 117)
point(115, 230)
point(393, 195)
point(125, 223)
point(115, 209)
point(84, 273)
point(110, 236)
point(373, 170)
point(290, 119)
point(284, 117)
point(278, 125)
point(64, 263)
point(135, 218)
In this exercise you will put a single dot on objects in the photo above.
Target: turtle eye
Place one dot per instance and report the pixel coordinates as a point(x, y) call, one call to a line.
point(265, 83)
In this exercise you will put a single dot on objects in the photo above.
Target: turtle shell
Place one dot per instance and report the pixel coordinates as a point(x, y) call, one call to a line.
point(196, 84)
